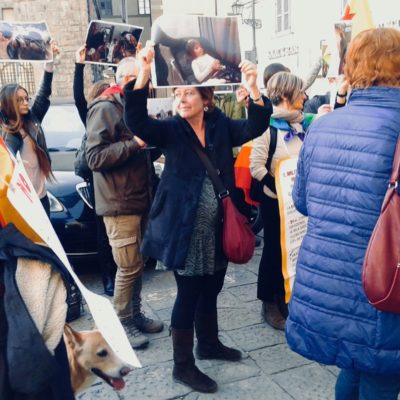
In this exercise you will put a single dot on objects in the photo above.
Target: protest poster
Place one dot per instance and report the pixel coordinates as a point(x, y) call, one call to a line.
point(293, 224)
point(195, 50)
point(25, 202)
point(25, 41)
point(108, 43)
point(335, 49)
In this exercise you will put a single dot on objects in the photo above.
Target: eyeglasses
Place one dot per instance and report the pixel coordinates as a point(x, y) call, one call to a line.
point(25, 99)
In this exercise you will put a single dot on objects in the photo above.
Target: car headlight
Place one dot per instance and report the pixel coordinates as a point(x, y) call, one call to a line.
point(55, 205)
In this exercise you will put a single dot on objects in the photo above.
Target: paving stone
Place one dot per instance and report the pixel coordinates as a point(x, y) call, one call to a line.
point(239, 317)
point(244, 293)
point(310, 382)
point(99, 391)
point(260, 387)
point(159, 350)
point(161, 298)
point(165, 314)
point(277, 358)
point(255, 337)
point(232, 371)
point(158, 280)
point(153, 383)
point(238, 275)
point(227, 300)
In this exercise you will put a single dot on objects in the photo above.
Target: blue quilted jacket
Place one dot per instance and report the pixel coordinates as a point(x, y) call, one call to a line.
point(343, 172)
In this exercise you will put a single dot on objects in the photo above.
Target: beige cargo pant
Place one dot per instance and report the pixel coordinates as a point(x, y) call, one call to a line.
point(125, 236)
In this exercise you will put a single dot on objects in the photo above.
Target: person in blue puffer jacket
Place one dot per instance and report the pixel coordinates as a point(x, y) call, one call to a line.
point(342, 177)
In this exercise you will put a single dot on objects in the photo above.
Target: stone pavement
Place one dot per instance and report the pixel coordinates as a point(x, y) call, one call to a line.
point(268, 371)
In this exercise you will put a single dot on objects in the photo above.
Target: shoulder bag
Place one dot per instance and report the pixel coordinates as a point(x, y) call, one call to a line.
point(381, 269)
point(238, 240)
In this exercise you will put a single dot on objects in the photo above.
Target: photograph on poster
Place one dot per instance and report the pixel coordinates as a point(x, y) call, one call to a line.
point(25, 41)
point(343, 37)
point(195, 50)
point(160, 108)
point(335, 48)
point(108, 43)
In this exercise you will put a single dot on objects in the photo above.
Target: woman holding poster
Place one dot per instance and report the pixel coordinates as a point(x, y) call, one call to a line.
point(287, 96)
point(184, 231)
point(342, 177)
point(21, 129)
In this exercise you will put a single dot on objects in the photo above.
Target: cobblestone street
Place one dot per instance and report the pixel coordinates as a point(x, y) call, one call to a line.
point(268, 371)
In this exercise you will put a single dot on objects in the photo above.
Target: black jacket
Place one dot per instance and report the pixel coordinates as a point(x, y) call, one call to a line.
point(33, 373)
point(36, 114)
point(172, 215)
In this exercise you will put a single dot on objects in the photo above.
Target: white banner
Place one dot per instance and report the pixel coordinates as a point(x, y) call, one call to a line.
point(293, 224)
point(24, 199)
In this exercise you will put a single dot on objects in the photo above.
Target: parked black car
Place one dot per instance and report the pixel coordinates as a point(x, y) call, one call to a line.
point(70, 210)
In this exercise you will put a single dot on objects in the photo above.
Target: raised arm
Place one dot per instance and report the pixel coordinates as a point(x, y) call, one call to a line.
point(136, 116)
point(79, 96)
point(42, 98)
point(259, 112)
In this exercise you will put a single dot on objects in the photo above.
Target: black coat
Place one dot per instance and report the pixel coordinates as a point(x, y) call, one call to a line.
point(172, 215)
point(33, 373)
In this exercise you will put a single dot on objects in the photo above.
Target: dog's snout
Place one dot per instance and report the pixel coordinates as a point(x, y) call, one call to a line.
point(124, 371)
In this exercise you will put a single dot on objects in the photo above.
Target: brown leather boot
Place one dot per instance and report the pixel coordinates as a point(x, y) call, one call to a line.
point(185, 370)
point(209, 347)
point(272, 315)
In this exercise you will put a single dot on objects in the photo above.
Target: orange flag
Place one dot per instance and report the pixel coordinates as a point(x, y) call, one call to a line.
point(359, 12)
point(242, 171)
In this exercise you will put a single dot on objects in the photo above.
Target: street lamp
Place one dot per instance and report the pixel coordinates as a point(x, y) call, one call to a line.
point(237, 9)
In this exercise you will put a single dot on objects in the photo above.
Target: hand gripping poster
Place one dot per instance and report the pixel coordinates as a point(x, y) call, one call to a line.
point(293, 224)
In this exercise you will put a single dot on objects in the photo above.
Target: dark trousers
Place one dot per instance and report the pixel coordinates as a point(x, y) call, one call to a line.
point(270, 279)
point(195, 293)
point(356, 385)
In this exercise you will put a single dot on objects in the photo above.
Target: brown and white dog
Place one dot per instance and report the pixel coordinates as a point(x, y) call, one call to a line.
point(89, 356)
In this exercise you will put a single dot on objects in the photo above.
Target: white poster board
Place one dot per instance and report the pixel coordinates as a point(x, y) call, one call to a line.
point(293, 224)
point(24, 199)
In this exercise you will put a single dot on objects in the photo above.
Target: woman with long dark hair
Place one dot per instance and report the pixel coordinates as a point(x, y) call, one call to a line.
point(21, 129)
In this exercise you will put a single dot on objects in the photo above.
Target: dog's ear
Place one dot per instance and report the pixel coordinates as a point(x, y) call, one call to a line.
point(73, 337)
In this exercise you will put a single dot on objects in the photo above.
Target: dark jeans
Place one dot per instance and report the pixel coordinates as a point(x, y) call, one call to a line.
point(356, 385)
point(195, 293)
point(270, 278)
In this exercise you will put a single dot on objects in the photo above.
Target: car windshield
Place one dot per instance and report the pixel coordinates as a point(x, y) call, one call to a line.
point(64, 130)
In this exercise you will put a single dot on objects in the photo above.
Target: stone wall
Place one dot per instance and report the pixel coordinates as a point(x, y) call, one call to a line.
point(67, 21)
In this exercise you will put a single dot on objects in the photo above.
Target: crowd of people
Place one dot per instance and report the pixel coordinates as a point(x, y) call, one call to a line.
point(345, 157)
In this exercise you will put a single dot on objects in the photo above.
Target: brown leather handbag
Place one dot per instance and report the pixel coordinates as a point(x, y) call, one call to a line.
point(381, 269)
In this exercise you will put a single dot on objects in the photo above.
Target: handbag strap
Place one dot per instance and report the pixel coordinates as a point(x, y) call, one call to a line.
point(394, 177)
point(211, 170)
